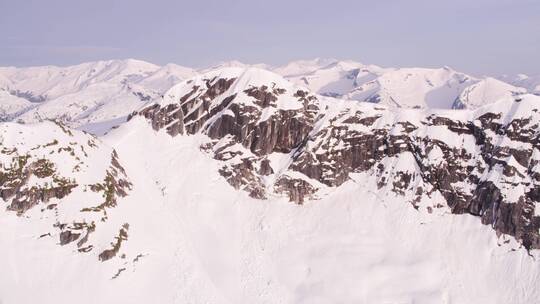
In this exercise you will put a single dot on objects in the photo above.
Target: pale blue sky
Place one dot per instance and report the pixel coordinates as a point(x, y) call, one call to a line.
point(475, 36)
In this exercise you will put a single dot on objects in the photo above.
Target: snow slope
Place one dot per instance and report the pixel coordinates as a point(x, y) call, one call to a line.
point(231, 64)
point(103, 93)
point(338, 249)
point(302, 67)
point(337, 78)
point(414, 88)
point(441, 88)
point(220, 246)
point(531, 83)
point(12, 106)
point(90, 92)
point(486, 91)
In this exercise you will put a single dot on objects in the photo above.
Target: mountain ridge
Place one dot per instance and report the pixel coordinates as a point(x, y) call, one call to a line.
point(248, 121)
point(103, 93)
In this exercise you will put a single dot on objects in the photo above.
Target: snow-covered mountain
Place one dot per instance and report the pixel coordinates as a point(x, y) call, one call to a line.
point(441, 88)
point(232, 64)
point(329, 77)
point(95, 92)
point(239, 186)
point(414, 88)
point(97, 96)
point(276, 138)
point(303, 67)
point(12, 106)
point(486, 91)
point(531, 83)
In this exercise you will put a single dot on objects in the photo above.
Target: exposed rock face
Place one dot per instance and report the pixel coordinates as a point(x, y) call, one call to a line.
point(484, 167)
point(110, 253)
point(14, 179)
point(259, 119)
point(170, 117)
point(277, 139)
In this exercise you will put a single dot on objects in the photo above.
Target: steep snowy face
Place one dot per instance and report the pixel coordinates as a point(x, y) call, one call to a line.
point(276, 139)
point(414, 88)
point(232, 64)
point(65, 182)
point(402, 88)
point(87, 93)
point(303, 67)
point(334, 79)
point(166, 77)
point(531, 83)
point(12, 105)
point(486, 91)
point(49, 82)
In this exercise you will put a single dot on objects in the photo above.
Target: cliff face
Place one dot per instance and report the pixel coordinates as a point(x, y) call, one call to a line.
point(274, 138)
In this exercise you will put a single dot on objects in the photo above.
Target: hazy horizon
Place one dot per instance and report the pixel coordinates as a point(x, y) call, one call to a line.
point(481, 38)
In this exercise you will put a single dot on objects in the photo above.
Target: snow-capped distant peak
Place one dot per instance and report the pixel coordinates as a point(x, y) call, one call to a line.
point(300, 67)
point(486, 91)
point(106, 92)
point(233, 64)
point(229, 81)
point(413, 88)
point(529, 82)
point(100, 92)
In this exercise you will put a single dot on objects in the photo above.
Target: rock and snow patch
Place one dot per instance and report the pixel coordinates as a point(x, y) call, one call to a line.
point(64, 183)
point(474, 160)
point(220, 246)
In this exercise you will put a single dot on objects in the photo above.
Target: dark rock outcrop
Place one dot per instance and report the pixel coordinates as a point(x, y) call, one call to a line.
point(486, 166)
point(42, 177)
point(116, 245)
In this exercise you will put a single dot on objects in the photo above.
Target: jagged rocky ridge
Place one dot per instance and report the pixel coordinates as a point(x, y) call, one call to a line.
point(275, 138)
point(65, 178)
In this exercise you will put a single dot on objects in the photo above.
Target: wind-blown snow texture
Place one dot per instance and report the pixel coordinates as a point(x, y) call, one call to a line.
point(240, 186)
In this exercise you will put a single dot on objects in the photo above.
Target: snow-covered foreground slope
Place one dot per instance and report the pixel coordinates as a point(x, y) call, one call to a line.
point(194, 239)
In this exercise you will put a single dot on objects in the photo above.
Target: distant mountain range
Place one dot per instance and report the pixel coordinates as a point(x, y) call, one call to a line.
point(95, 96)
